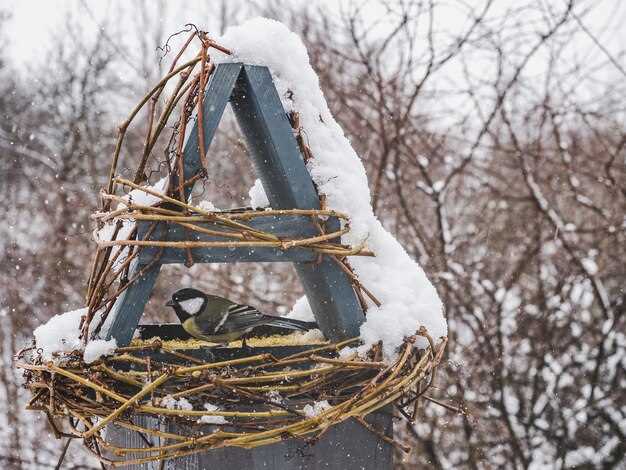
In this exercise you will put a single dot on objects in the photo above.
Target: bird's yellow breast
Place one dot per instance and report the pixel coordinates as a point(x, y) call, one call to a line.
point(191, 327)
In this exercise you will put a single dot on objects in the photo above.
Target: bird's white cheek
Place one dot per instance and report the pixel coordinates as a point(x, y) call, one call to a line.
point(192, 306)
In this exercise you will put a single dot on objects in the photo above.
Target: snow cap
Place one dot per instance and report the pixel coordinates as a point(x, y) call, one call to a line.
point(408, 298)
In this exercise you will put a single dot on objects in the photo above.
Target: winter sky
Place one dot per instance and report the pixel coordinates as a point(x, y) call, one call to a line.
point(34, 21)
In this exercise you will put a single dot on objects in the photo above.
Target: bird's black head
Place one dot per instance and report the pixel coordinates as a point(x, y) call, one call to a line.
point(187, 303)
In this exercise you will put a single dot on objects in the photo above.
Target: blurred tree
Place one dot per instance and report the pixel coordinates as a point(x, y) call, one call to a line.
point(495, 150)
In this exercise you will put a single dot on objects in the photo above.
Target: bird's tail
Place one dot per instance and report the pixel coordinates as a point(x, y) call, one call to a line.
point(293, 324)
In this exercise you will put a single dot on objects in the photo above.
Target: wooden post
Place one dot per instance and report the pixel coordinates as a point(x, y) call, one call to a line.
point(346, 446)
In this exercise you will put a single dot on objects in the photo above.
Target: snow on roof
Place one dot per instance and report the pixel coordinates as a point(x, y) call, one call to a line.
point(408, 298)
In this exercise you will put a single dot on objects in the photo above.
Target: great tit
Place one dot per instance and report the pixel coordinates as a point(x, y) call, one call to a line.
point(219, 320)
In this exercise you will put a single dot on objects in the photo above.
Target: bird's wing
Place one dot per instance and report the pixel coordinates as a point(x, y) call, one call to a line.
point(240, 318)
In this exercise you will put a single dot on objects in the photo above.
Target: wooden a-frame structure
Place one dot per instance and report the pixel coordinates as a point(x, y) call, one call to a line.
point(280, 166)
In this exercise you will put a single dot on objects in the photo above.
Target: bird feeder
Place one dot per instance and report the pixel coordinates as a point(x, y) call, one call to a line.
point(159, 398)
point(280, 166)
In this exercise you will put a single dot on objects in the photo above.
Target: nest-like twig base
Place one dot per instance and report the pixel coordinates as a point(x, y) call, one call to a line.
point(248, 402)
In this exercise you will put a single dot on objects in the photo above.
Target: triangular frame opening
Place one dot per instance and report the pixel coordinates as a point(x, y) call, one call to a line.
point(278, 163)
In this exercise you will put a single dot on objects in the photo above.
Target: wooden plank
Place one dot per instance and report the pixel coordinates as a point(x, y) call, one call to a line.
point(273, 148)
point(129, 306)
point(237, 255)
point(284, 226)
point(288, 184)
point(346, 446)
point(216, 97)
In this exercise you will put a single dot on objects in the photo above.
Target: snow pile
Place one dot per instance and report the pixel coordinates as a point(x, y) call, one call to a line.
point(408, 298)
point(212, 419)
point(311, 411)
point(347, 352)
point(97, 348)
point(258, 198)
point(106, 234)
point(273, 396)
point(108, 230)
point(301, 310)
point(142, 198)
point(311, 336)
point(136, 196)
point(171, 403)
point(208, 206)
point(62, 334)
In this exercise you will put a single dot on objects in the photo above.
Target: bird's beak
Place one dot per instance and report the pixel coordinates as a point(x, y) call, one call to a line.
point(169, 303)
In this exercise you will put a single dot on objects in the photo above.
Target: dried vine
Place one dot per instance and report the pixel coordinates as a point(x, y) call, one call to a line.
point(262, 398)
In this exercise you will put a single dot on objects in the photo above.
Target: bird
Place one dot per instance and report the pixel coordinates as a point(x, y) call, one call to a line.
point(219, 320)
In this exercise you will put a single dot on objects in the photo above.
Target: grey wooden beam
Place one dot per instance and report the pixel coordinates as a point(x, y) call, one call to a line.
point(287, 183)
point(131, 303)
point(272, 146)
point(284, 226)
point(217, 95)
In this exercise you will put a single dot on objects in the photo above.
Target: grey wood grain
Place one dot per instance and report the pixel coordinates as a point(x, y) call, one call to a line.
point(346, 446)
point(284, 226)
point(131, 303)
point(217, 95)
point(273, 148)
